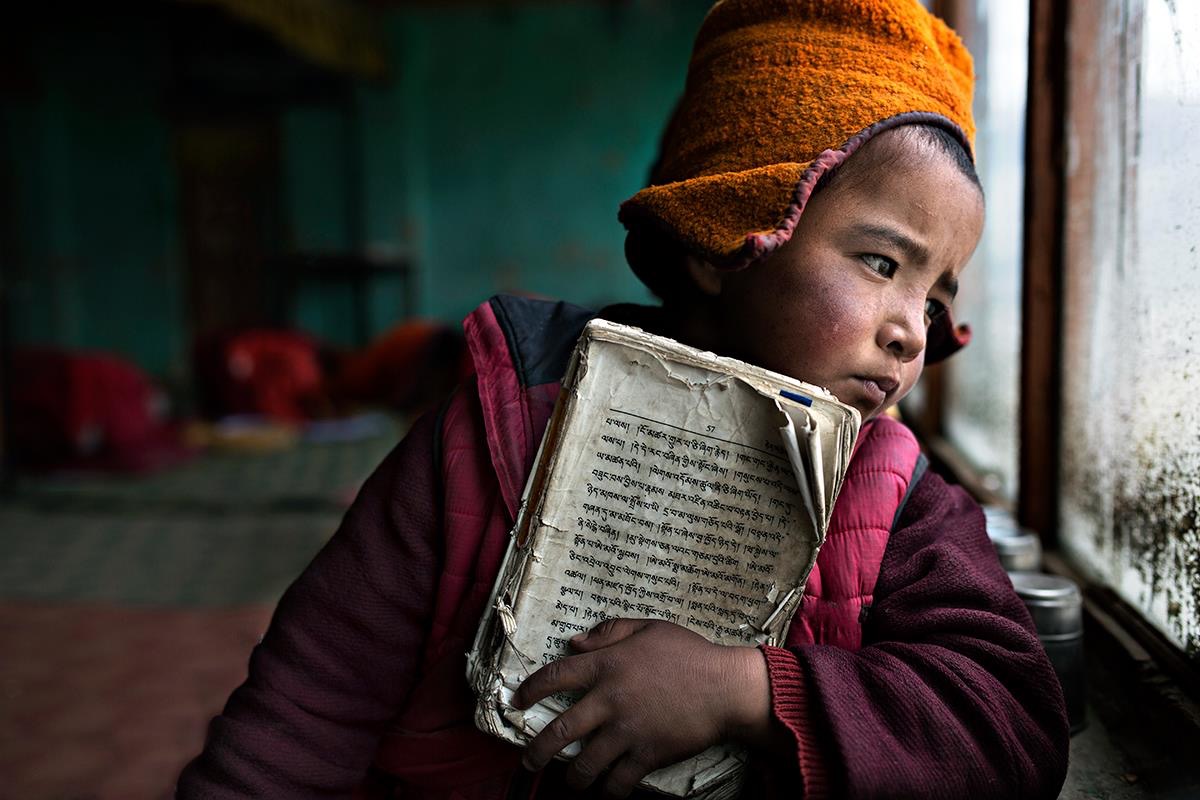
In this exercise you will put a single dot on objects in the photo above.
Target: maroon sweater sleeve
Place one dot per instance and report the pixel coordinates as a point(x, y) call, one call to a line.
point(951, 696)
point(342, 649)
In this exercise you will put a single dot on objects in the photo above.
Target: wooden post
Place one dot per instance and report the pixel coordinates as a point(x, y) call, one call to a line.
point(1041, 319)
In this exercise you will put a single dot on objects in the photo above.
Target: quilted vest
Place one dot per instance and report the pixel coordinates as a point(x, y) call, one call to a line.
point(488, 440)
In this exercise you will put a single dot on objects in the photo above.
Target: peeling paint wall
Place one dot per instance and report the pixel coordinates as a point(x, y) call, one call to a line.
point(1130, 482)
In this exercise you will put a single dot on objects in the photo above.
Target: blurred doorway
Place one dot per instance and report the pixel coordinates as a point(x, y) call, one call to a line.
point(231, 208)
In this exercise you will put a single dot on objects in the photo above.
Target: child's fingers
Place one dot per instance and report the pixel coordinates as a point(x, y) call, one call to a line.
point(600, 751)
point(625, 774)
point(570, 726)
point(608, 633)
point(564, 675)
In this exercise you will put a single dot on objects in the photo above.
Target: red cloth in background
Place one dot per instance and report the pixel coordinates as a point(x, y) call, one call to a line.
point(96, 410)
point(408, 368)
point(289, 376)
point(88, 410)
point(275, 373)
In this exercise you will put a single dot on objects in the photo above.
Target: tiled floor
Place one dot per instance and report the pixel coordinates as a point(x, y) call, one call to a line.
point(128, 609)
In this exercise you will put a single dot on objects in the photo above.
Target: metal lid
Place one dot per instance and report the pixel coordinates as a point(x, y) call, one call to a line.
point(1000, 524)
point(1054, 603)
point(1019, 548)
point(998, 516)
point(1019, 552)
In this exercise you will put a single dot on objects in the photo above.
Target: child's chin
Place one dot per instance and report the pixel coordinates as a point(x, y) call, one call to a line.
point(892, 410)
point(889, 410)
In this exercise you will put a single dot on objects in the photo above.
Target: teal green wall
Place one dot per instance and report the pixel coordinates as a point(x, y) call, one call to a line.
point(518, 132)
point(494, 158)
point(315, 141)
point(96, 262)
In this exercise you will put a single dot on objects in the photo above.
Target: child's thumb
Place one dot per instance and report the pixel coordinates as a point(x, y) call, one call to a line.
point(607, 633)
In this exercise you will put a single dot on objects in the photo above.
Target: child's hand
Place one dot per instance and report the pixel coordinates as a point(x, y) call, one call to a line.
point(655, 693)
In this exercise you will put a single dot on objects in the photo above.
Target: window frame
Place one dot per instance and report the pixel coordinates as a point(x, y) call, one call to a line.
point(1062, 70)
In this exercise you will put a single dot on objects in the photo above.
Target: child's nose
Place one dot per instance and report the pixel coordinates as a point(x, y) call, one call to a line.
point(904, 335)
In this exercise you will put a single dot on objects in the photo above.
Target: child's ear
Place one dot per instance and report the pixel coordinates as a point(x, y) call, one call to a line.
point(704, 276)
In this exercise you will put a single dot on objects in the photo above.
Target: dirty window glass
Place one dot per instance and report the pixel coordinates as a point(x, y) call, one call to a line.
point(980, 390)
point(1130, 475)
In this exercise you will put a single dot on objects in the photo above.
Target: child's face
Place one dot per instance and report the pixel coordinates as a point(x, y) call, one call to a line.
point(846, 303)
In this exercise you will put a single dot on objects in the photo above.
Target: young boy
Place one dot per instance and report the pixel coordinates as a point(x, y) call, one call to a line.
point(911, 670)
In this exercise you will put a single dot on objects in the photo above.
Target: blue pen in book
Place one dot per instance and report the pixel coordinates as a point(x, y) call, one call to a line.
point(799, 398)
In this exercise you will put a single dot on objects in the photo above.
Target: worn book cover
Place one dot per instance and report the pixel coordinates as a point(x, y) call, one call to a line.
point(670, 484)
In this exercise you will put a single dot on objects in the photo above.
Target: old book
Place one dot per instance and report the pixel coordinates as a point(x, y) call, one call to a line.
point(671, 484)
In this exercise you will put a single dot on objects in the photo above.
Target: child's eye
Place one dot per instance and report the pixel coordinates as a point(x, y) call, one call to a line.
point(934, 309)
point(880, 264)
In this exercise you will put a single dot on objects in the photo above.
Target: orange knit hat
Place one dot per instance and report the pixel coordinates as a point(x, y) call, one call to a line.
point(778, 93)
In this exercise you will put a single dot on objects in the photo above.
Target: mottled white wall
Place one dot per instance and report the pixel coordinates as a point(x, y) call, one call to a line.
point(1130, 485)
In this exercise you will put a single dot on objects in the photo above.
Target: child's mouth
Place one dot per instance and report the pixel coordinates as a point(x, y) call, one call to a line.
point(877, 390)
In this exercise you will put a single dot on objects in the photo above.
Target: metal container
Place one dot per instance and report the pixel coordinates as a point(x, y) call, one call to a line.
point(1019, 549)
point(1057, 609)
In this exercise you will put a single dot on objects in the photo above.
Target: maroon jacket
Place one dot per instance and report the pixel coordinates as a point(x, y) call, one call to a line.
point(950, 696)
